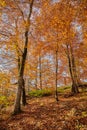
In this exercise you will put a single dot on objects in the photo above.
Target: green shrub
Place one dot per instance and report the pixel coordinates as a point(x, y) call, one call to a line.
point(40, 93)
point(64, 89)
point(6, 101)
point(3, 101)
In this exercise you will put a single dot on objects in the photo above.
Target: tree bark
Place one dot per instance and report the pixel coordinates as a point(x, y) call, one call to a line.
point(72, 69)
point(17, 107)
point(21, 89)
point(56, 93)
point(75, 84)
point(36, 79)
point(40, 69)
point(23, 93)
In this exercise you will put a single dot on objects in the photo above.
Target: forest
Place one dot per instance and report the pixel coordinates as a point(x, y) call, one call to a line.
point(43, 64)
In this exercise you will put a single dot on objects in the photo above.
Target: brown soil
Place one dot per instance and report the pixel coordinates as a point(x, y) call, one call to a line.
point(46, 114)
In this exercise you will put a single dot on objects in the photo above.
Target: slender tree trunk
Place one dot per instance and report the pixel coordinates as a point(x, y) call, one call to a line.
point(40, 68)
point(36, 79)
point(69, 62)
point(75, 84)
point(65, 81)
point(56, 93)
point(28, 85)
point(21, 89)
point(23, 93)
point(72, 69)
point(17, 107)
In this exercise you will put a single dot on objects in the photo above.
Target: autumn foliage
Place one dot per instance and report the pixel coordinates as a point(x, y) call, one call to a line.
point(43, 45)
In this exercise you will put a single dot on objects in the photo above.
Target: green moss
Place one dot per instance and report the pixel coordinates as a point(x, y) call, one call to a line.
point(40, 93)
point(64, 89)
point(48, 92)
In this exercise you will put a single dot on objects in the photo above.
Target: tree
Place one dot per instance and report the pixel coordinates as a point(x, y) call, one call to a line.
point(17, 107)
point(16, 38)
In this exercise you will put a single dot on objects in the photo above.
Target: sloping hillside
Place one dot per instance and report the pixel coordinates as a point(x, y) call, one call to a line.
point(46, 114)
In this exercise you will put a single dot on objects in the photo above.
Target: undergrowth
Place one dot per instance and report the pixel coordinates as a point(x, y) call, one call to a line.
point(40, 93)
point(64, 89)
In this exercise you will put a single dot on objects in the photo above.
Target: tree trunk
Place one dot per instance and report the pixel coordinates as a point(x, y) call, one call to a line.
point(28, 85)
point(17, 106)
point(72, 69)
point(36, 79)
point(40, 68)
point(36, 75)
point(74, 88)
point(56, 93)
point(23, 93)
point(21, 89)
point(75, 84)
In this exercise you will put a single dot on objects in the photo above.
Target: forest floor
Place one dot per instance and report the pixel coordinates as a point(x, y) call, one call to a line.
point(70, 113)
